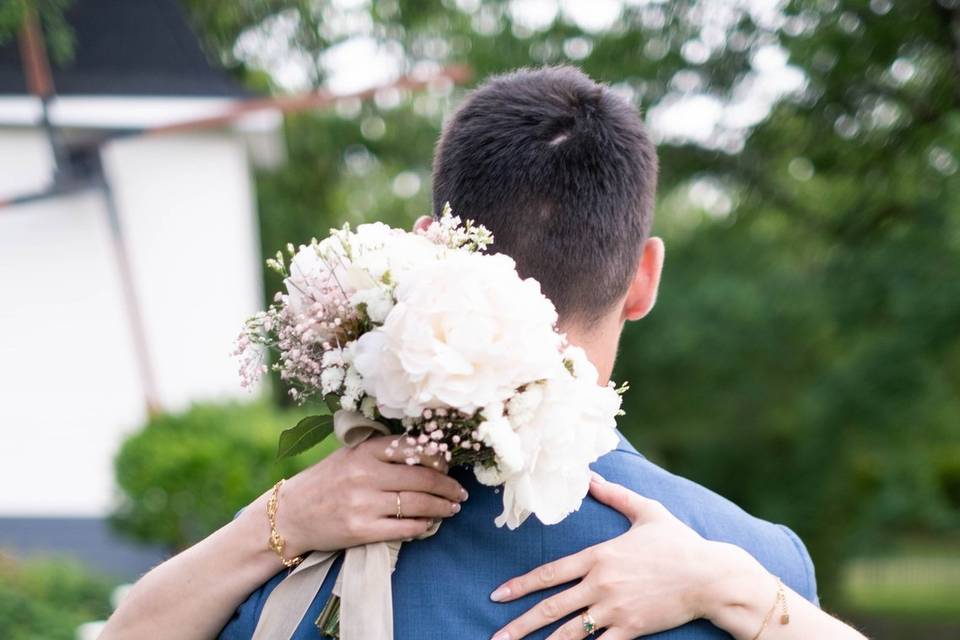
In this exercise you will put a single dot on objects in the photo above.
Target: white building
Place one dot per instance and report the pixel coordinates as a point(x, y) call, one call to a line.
point(72, 383)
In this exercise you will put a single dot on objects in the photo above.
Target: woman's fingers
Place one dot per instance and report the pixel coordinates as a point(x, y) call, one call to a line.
point(384, 451)
point(616, 634)
point(570, 630)
point(546, 612)
point(635, 507)
point(543, 577)
point(416, 505)
point(398, 529)
point(381, 449)
point(401, 477)
point(430, 476)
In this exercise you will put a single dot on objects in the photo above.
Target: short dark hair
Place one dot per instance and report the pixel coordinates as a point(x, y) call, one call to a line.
point(562, 171)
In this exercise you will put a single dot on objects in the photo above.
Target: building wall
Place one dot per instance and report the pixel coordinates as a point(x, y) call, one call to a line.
point(69, 383)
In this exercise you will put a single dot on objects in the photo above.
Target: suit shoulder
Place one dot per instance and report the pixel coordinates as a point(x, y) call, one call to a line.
point(714, 517)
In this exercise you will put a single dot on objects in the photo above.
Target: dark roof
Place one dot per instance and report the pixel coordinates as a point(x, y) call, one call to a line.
point(89, 540)
point(128, 47)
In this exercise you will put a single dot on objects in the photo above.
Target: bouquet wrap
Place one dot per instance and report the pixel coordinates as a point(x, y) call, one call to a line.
point(364, 584)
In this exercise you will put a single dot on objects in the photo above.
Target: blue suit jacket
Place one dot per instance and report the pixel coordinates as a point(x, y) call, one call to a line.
point(441, 585)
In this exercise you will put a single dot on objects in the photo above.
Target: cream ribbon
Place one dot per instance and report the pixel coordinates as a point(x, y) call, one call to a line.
point(364, 584)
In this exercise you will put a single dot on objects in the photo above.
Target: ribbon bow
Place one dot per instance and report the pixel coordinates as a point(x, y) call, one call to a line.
point(364, 584)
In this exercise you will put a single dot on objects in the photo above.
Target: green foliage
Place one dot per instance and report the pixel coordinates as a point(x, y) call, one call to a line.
point(224, 21)
point(905, 587)
point(183, 476)
point(51, 13)
point(305, 435)
point(47, 599)
point(804, 358)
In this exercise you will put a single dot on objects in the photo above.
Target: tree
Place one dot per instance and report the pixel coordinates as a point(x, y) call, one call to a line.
point(51, 14)
point(804, 358)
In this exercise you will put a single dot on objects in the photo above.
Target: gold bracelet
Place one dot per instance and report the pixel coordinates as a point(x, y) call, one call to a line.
point(277, 543)
point(784, 613)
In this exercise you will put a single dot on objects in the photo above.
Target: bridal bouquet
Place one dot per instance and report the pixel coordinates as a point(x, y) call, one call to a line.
point(425, 336)
point(448, 348)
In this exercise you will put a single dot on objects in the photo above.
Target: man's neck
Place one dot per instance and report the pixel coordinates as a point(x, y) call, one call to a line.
point(600, 340)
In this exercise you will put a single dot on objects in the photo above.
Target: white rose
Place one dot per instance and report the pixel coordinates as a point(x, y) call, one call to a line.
point(404, 252)
point(572, 427)
point(381, 255)
point(369, 360)
point(466, 332)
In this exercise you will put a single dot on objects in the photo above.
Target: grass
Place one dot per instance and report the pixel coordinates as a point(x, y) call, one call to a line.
point(923, 583)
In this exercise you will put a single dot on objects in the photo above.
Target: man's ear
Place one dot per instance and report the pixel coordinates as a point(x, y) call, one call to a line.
point(422, 223)
point(642, 294)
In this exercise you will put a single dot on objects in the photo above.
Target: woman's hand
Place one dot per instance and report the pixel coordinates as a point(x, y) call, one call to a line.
point(346, 499)
point(350, 498)
point(659, 575)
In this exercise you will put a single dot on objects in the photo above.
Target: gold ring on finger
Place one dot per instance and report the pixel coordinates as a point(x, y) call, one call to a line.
point(399, 510)
point(589, 624)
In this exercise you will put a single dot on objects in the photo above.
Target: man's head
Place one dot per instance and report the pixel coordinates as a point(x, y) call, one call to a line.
point(563, 173)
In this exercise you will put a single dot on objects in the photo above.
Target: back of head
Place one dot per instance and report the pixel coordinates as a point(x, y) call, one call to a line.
point(563, 173)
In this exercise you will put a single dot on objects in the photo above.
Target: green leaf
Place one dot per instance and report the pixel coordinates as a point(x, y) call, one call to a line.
point(332, 401)
point(308, 433)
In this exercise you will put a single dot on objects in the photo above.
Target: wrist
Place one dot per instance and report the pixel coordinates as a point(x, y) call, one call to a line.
point(254, 528)
point(739, 591)
point(280, 516)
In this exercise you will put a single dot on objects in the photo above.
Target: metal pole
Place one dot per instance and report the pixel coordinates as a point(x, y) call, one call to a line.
point(36, 68)
point(129, 292)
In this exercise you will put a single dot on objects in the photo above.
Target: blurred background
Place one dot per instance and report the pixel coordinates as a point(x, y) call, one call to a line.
point(804, 358)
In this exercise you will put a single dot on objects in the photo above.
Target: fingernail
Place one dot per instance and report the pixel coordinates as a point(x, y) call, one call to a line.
point(464, 495)
point(454, 507)
point(503, 635)
point(596, 477)
point(501, 594)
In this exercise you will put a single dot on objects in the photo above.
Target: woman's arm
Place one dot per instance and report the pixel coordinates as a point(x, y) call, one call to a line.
point(659, 575)
point(347, 499)
point(742, 599)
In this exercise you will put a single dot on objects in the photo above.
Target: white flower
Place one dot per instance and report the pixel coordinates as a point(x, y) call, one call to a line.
point(331, 379)
point(376, 254)
point(378, 302)
point(352, 384)
point(521, 407)
point(466, 332)
point(490, 476)
point(449, 231)
point(309, 275)
point(572, 427)
point(368, 407)
point(496, 432)
point(400, 253)
point(347, 352)
point(582, 367)
point(332, 358)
